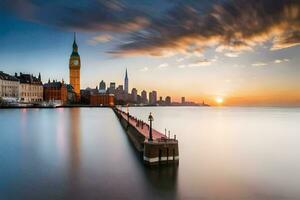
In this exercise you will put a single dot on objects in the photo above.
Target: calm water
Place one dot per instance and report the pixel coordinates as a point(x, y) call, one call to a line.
point(225, 153)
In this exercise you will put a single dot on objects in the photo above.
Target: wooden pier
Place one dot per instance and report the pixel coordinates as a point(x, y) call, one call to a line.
point(158, 149)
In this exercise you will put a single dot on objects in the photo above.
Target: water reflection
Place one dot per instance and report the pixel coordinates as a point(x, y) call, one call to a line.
point(84, 153)
point(75, 131)
point(74, 152)
point(160, 180)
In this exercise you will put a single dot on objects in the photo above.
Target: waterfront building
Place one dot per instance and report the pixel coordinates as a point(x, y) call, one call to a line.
point(134, 94)
point(74, 69)
point(126, 82)
point(168, 100)
point(56, 91)
point(30, 89)
point(93, 97)
point(144, 97)
point(102, 100)
point(102, 87)
point(9, 87)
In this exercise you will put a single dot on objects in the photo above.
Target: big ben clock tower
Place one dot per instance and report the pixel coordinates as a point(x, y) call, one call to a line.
point(74, 67)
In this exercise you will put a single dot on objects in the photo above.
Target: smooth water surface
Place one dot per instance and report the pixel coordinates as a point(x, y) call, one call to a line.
point(83, 153)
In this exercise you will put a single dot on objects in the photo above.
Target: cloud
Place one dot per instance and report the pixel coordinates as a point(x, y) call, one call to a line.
point(181, 66)
point(188, 27)
point(235, 25)
point(232, 55)
point(162, 66)
point(144, 69)
point(239, 66)
point(278, 61)
point(100, 39)
point(179, 59)
point(203, 62)
point(259, 64)
point(94, 15)
point(289, 39)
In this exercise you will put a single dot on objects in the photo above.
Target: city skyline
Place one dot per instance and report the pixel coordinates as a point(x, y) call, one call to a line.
point(255, 66)
point(137, 96)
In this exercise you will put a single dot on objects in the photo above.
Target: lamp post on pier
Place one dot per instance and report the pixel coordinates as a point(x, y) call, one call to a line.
point(127, 113)
point(150, 119)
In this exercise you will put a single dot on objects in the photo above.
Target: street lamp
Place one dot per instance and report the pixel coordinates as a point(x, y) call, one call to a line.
point(150, 119)
point(127, 113)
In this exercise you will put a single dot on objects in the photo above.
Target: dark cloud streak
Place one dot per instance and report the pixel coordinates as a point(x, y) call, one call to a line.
point(187, 26)
point(234, 25)
point(93, 15)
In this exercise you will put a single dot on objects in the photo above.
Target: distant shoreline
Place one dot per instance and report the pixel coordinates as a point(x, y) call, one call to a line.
point(91, 106)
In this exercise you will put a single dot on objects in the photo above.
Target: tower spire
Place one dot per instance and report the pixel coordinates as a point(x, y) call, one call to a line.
point(126, 82)
point(75, 47)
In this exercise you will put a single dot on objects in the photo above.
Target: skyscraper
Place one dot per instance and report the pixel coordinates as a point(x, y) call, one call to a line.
point(119, 93)
point(102, 87)
point(144, 96)
point(126, 83)
point(182, 100)
point(168, 100)
point(134, 94)
point(74, 68)
point(153, 98)
point(154, 94)
point(112, 88)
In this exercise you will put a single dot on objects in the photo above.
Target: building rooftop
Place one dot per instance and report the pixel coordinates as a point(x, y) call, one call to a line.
point(4, 76)
point(29, 79)
point(54, 84)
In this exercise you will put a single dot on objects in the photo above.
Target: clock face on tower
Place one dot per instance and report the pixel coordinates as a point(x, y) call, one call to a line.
point(75, 62)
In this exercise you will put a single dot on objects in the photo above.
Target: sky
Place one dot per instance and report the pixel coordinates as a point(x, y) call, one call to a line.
point(239, 51)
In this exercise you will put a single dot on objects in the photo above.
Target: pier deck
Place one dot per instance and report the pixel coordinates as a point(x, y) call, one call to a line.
point(160, 150)
point(143, 128)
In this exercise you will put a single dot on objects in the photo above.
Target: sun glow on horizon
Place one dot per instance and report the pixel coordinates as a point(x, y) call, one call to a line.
point(219, 100)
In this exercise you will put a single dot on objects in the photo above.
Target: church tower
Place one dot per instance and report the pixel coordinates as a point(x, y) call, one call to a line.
point(74, 67)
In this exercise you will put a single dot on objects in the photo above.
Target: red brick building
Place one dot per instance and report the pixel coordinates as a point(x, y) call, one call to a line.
point(56, 91)
point(102, 99)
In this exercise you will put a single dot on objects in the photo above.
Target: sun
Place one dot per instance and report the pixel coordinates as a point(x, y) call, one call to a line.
point(219, 100)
